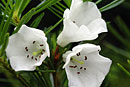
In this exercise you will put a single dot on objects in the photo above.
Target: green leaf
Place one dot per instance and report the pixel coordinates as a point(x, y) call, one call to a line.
point(58, 7)
point(123, 27)
point(6, 25)
point(123, 69)
point(51, 28)
point(117, 35)
point(111, 5)
point(118, 50)
point(45, 5)
point(60, 4)
point(57, 11)
point(68, 2)
point(47, 71)
point(86, 0)
point(25, 19)
point(23, 5)
point(4, 45)
point(36, 22)
point(98, 1)
point(54, 13)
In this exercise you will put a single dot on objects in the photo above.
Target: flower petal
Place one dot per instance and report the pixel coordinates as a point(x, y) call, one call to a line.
point(71, 33)
point(97, 26)
point(84, 13)
point(93, 72)
point(23, 44)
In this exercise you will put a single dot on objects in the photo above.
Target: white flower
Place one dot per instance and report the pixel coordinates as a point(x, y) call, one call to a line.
point(85, 67)
point(82, 22)
point(27, 49)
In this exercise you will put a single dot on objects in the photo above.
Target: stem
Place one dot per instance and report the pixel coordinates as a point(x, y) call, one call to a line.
point(55, 79)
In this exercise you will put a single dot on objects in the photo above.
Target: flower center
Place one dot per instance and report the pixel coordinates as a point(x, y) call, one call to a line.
point(78, 67)
point(35, 53)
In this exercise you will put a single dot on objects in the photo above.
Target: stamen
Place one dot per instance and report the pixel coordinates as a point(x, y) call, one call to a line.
point(36, 59)
point(78, 72)
point(85, 58)
point(75, 66)
point(27, 56)
point(78, 54)
point(34, 42)
point(81, 62)
point(26, 48)
point(41, 45)
point(73, 21)
point(84, 68)
point(71, 66)
point(32, 57)
point(39, 56)
point(81, 67)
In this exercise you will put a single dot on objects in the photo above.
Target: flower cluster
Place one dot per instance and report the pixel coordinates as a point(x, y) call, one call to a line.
point(84, 66)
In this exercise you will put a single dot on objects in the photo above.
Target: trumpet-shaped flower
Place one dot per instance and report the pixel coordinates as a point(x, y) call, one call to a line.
point(85, 67)
point(82, 22)
point(27, 49)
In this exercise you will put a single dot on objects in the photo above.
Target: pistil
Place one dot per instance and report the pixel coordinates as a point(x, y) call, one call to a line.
point(37, 53)
point(81, 62)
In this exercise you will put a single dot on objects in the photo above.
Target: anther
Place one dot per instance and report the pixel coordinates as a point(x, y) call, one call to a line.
point(75, 66)
point(73, 21)
point(78, 54)
point(32, 57)
point(43, 50)
point(34, 42)
point(39, 56)
point(36, 59)
point(81, 67)
point(27, 56)
point(41, 44)
point(71, 66)
point(78, 72)
point(41, 53)
point(26, 48)
point(85, 58)
point(84, 68)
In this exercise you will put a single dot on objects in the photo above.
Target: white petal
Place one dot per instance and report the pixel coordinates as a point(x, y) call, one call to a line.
point(84, 13)
point(17, 53)
point(19, 63)
point(68, 33)
point(72, 33)
point(66, 13)
point(97, 26)
point(96, 66)
point(82, 22)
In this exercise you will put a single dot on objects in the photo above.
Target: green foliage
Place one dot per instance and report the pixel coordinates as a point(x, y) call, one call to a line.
point(50, 72)
point(119, 54)
point(111, 5)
